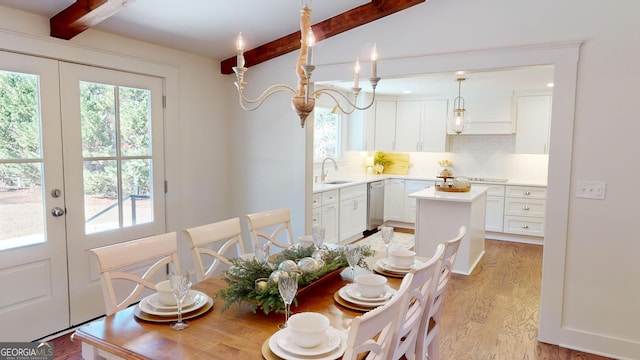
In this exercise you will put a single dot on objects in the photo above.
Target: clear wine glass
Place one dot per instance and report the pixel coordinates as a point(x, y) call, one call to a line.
point(387, 236)
point(180, 284)
point(262, 252)
point(287, 286)
point(353, 253)
point(318, 236)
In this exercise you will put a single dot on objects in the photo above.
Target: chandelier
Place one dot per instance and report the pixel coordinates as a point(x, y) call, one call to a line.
point(458, 110)
point(303, 99)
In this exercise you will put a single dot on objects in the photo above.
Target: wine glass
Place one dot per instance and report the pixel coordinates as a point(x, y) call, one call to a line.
point(318, 236)
point(287, 286)
point(387, 236)
point(353, 253)
point(180, 284)
point(262, 252)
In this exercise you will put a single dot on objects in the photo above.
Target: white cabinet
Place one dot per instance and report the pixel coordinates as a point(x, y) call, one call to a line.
point(316, 210)
point(494, 215)
point(361, 125)
point(411, 186)
point(385, 130)
point(329, 216)
point(524, 210)
point(393, 200)
point(421, 125)
point(490, 114)
point(533, 115)
point(353, 211)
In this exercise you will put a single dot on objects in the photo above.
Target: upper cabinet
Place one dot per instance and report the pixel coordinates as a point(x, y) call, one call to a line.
point(385, 131)
point(533, 115)
point(421, 125)
point(361, 126)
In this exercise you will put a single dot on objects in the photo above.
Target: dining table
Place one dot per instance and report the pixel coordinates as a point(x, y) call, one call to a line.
point(236, 332)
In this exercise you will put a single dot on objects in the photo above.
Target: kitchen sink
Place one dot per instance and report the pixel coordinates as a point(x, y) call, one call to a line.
point(338, 182)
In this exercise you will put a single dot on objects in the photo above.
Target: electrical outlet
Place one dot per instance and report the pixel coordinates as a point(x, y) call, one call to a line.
point(591, 189)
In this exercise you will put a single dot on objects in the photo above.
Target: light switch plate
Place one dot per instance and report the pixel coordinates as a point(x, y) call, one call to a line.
point(591, 189)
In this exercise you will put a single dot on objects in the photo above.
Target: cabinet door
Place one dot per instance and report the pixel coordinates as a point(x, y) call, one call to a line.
point(532, 124)
point(494, 213)
point(408, 118)
point(361, 124)
point(329, 219)
point(434, 126)
point(316, 217)
point(394, 200)
point(353, 217)
point(411, 186)
point(385, 133)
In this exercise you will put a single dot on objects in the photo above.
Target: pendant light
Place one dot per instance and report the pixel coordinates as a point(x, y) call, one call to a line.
point(457, 124)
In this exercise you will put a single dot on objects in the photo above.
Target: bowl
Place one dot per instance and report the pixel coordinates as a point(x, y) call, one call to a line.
point(371, 285)
point(165, 293)
point(308, 329)
point(403, 257)
point(306, 241)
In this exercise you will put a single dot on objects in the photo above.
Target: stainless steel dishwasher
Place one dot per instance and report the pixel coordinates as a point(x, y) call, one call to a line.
point(375, 204)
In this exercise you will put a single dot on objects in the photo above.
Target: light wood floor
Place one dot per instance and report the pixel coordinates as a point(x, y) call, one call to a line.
point(490, 315)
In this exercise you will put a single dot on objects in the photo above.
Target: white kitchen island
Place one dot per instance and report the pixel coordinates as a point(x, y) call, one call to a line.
point(440, 214)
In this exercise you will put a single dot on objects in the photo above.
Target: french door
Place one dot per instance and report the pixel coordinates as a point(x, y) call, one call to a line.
point(81, 166)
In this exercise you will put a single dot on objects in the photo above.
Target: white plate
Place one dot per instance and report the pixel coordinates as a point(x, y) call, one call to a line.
point(200, 299)
point(331, 355)
point(343, 294)
point(286, 343)
point(153, 301)
point(388, 264)
point(352, 291)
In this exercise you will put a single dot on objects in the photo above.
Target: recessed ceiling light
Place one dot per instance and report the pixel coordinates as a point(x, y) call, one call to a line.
point(550, 85)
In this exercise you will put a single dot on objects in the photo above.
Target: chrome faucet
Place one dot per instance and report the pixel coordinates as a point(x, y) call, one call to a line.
point(323, 174)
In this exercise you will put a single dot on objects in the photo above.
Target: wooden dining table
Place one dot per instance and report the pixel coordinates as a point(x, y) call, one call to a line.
point(234, 333)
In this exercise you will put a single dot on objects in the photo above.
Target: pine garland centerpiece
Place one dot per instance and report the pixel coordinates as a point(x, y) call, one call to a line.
point(311, 263)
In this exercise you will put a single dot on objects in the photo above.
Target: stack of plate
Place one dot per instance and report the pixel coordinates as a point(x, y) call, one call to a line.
point(152, 309)
point(281, 344)
point(351, 295)
point(386, 267)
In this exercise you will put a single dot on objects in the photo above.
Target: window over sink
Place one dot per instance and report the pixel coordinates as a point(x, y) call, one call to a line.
point(327, 134)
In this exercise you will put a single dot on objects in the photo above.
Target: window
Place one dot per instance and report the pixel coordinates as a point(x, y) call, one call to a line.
point(327, 134)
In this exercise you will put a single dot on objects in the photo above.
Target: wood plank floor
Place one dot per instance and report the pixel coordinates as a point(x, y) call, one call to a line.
point(491, 314)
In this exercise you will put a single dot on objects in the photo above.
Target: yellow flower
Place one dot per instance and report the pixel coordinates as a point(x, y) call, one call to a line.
point(444, 163)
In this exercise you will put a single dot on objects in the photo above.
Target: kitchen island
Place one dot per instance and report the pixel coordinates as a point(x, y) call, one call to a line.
point(440, 214)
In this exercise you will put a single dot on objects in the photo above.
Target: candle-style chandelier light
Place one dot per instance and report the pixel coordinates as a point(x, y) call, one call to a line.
point(303, 99)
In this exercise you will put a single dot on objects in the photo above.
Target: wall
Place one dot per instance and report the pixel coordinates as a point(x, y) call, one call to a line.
point(588, 301)
point(196, 118)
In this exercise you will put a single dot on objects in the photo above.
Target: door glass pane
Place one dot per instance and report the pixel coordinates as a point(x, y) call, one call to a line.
point(22, 219)
point(116, 135)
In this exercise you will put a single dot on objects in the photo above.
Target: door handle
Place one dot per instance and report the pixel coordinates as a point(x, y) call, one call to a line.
point(57, 211)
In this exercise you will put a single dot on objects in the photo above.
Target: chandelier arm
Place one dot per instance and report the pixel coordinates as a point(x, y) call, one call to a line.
point(352, 105)
point(273, 89)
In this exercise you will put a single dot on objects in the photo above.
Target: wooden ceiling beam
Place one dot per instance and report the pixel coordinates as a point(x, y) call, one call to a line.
point(348, 20)
point(82, 15)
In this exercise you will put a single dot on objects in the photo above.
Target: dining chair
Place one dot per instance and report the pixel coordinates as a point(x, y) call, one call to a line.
point(272, 226)
point(211, 243)
point(373, 335)
point(421, 291)
point(114, 261)
point(429, 330)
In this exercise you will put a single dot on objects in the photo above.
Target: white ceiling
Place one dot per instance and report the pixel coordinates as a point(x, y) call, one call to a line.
point(206, 27)
point(209, 27)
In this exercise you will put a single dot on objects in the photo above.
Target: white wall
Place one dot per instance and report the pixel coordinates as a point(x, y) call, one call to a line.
point(589, 296)
point(196, 117)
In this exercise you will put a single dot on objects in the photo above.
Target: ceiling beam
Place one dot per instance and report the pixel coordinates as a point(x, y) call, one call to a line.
point(82, 15)
point(348, 20)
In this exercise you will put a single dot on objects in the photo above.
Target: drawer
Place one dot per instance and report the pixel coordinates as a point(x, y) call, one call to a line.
point(526, 192)
point(329, 197)
point(524, 225)
point(353, 191)
point(316, 202)
point(524, 207)
point(495, 190)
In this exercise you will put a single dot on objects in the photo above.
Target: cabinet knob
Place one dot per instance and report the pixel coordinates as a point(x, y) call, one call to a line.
point(527, 193)
point(525, 208)
point(525, 226)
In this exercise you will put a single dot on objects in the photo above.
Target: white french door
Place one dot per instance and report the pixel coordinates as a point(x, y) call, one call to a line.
point(112, 125)
point(81, 166)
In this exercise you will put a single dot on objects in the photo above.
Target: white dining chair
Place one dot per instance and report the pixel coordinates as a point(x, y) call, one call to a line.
point(421, 291)
point(115, 260)
point(211, 244)
point(273, 226)
point(373, 335)
point(429, 330)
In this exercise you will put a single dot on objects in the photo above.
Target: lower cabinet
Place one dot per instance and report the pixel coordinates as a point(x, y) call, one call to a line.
point(329, 213)
point(494, 215)
point(524, 210)
point(393, 200)
point(342, 213)
point(411, 186)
